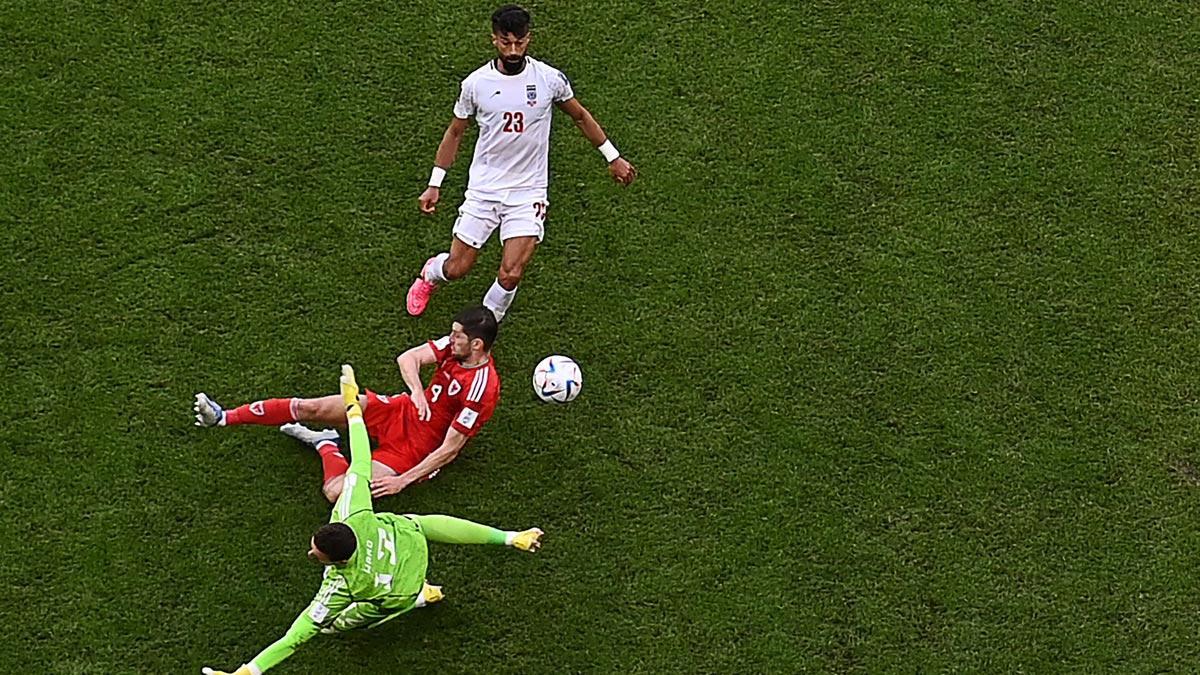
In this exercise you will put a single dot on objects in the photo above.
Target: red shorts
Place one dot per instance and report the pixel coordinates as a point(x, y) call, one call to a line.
point(388, 421)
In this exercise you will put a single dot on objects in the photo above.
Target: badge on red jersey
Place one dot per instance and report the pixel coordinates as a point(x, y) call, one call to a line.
point(467, 417)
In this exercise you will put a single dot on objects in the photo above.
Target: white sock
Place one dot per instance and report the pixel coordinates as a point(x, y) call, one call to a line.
point(509, 536)
point(435, 273)
point(498, 299)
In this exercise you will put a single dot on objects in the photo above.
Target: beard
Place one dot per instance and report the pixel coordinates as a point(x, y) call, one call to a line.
point(513, 64)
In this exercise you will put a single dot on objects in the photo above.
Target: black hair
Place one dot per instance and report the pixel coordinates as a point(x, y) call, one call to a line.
point(511, 19)
point(479, 322)
point(336, 540)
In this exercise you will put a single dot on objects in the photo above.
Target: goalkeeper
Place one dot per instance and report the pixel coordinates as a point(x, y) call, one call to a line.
point(374, 562)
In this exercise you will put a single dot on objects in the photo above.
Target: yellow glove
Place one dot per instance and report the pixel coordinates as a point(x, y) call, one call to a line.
point(244, 670)
point(350, 393)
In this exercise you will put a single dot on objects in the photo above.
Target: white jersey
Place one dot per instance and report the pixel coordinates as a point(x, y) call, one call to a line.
point(512, 155)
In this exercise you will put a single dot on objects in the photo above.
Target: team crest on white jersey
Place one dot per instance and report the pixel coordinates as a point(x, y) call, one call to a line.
point(531, 94)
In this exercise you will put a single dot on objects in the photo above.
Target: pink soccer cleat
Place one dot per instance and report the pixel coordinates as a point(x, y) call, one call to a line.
point(419, 292)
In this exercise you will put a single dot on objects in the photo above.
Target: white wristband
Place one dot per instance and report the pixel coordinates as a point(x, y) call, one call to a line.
point(436, 177)
point(609, 151)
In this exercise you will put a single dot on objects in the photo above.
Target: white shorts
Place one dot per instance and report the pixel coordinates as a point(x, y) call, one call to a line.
point(523, 217)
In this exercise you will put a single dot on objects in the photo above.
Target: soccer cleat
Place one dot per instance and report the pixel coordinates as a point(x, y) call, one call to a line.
point(309, 436)
point(208, 413)
point(348, 386)
point(530, 540)
point(419, 292)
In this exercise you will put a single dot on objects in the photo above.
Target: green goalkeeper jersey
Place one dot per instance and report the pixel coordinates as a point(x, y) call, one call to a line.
point(382, 579)
point(388, 565)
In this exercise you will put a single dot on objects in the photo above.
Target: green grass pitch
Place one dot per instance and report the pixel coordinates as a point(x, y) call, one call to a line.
point(891, 353)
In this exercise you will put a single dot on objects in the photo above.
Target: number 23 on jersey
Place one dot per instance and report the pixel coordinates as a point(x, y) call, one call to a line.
point(514, 122)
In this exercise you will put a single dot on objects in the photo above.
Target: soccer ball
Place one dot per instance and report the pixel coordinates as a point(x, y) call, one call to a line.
point(557, 379)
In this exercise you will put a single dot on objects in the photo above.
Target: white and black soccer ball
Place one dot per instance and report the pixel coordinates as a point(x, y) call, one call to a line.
point(557, 379)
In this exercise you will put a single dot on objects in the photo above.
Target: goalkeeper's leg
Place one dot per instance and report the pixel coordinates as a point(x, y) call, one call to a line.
point(451, 530)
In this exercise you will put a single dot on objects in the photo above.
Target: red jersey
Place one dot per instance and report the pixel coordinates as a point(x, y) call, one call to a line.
point(460, 397)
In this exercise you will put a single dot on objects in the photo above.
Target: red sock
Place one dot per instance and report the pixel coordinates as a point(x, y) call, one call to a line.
point(271, 412)
point(333, 462)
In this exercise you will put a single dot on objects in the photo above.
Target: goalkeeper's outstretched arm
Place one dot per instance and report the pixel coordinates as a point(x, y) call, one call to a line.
point(329, 602)
point(300, 632)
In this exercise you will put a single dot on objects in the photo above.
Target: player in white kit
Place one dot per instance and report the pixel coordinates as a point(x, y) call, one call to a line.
point(511, 98)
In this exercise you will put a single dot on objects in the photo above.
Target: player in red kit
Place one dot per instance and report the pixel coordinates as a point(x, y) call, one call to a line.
point(417, 433)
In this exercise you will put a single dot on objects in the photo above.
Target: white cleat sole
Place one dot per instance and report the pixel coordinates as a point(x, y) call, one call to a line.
point(208, 413)
point(310, 436)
